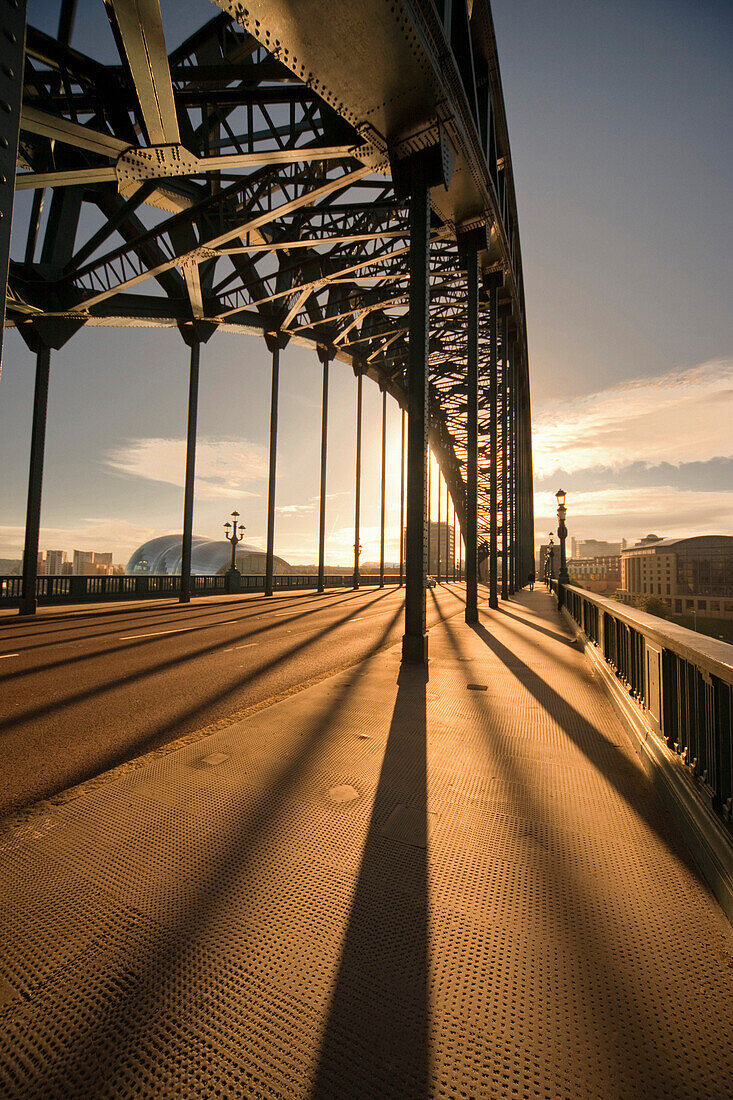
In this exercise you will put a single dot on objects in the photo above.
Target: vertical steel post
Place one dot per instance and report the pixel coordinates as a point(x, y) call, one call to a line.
point(357, 487)
point(430, 513)
point(472, 438)
point(415, 639)
point(322, 501)
point(493, 448)
point(28, 602)
point(402, 501)
point(460, 556)
point(12, 45)
point(438, 530)
point(384, 474)
point(454, 542)
point(447, 531)
point(193, 397)
point(504, 456)
point(270, 558)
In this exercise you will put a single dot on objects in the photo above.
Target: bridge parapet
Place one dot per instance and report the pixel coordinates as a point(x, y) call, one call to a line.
point(681, 683)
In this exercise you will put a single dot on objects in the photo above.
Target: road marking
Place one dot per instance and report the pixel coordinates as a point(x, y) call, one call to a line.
point(155, 633)
point(247, 646)
point(4, 655)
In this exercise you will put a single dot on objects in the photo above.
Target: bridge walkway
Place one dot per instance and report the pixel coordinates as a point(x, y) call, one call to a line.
point(381, 886)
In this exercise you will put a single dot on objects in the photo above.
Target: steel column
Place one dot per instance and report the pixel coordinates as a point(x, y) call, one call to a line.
point(493, 449)
point(430, 514)
point(270, 559)
point(438, 539)
point(454, 543)
point(357, 487)
point(193, 397)
point(504, 459)
point(512, 473)
point(12, 47)
point(28, 602)
point(472, 438)
point(402, 500)
point(415, 639)
point(322, 501)
point(384, 471)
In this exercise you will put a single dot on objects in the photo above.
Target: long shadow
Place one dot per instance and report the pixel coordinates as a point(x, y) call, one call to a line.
point(376, 1038)
point(174, 612)
point(575, 892)
point(160, 956)
point(541, 629)
point(139, 645)
point(577, 728)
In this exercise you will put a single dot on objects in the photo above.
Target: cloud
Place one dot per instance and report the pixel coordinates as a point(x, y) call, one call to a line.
point(614, 513)
point(704, 477)
point(681, 417)
point(103, 534)
point(223, 466)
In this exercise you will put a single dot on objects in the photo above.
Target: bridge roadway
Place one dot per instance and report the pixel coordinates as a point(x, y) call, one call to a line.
point(380, 886)
point(84, 690)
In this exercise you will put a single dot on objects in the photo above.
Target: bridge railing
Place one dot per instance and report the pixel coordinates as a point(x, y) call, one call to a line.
point(77, 589)
point(682, 680)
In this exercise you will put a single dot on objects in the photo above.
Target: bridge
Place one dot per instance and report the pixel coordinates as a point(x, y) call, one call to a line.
point(323, 837)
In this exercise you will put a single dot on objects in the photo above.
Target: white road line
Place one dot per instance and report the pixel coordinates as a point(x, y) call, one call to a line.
point(4, 655)
point(155, 633)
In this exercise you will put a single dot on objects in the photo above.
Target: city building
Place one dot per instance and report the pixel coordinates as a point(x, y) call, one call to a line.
point(594, 548)
point(55, 561)
point(162, 555)
point(542, 558)
point(692, 575)
point(447, 546)
point(92, 563)
point(601, 574)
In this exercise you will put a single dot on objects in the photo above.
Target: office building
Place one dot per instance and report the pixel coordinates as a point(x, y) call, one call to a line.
point(692, 575)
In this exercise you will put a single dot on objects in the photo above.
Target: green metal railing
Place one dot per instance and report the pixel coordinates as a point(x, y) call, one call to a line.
point(681, 679)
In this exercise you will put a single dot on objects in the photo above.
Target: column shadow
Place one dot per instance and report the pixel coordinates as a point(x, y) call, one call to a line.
point(375, 1041)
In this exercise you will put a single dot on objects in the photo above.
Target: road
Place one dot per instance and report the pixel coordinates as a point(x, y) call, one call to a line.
point(83, 691)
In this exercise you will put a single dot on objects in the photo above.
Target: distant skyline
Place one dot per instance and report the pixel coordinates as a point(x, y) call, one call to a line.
point(619, 122)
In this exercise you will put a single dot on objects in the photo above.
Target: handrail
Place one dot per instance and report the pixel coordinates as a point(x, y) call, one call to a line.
point(68, 588)
point(681, 679)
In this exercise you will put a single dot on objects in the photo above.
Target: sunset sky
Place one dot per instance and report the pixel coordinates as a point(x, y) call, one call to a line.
point(619, 121)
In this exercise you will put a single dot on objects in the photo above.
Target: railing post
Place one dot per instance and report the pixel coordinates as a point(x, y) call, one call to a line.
point(324, 356)
point(471, 534)
point(383, 483)
point(357, 485)
point(193, 396)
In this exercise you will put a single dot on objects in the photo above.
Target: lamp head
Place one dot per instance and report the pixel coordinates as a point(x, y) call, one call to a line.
point(560, 495)
point(227, 525)
point(235, 515)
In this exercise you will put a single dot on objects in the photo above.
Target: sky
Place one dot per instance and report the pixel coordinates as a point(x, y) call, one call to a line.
point(619, 120)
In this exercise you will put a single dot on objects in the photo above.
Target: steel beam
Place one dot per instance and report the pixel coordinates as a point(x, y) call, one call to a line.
point(437, 549)
point(504, 459)
point(383, 484)
point(493, 449)
point(193, 397)
point(270, 556)
point(12, 41)
point(471, 534)
point(357, 480)
point(28, 602)
point(430, 513)
point(402, 498)
point(415, 639)
point(322, 498)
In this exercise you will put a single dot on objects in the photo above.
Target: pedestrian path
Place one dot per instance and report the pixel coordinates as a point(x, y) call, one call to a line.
point(386, 885)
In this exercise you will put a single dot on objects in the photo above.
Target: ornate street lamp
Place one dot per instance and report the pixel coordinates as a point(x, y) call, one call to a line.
point(234, 538)
point(550, 560)
point(562, 531)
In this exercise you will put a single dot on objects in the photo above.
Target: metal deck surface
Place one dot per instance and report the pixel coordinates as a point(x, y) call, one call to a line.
point(379, 887)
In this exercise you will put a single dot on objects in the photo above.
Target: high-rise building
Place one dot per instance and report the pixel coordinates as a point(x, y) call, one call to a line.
point(55, 560)
point(447, 547)
point(90, 563)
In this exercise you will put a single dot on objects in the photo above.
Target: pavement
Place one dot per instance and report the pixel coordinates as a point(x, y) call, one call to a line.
point(85, 688)
point(385, 885)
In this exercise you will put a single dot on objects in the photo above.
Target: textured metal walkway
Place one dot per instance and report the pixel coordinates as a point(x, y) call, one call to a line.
point(379, 887)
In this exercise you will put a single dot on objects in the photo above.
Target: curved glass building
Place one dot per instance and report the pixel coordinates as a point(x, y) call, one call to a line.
point(162, 555)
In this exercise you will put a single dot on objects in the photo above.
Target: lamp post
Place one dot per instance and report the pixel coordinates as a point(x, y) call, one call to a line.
point(550, 560)
point(235, 538)
point(357, 554)
point(562, 532)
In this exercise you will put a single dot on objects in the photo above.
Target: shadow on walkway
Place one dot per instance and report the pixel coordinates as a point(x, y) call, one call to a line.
point(376, 1037)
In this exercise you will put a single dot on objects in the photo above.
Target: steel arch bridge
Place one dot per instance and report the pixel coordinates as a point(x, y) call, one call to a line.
point(335, 173)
